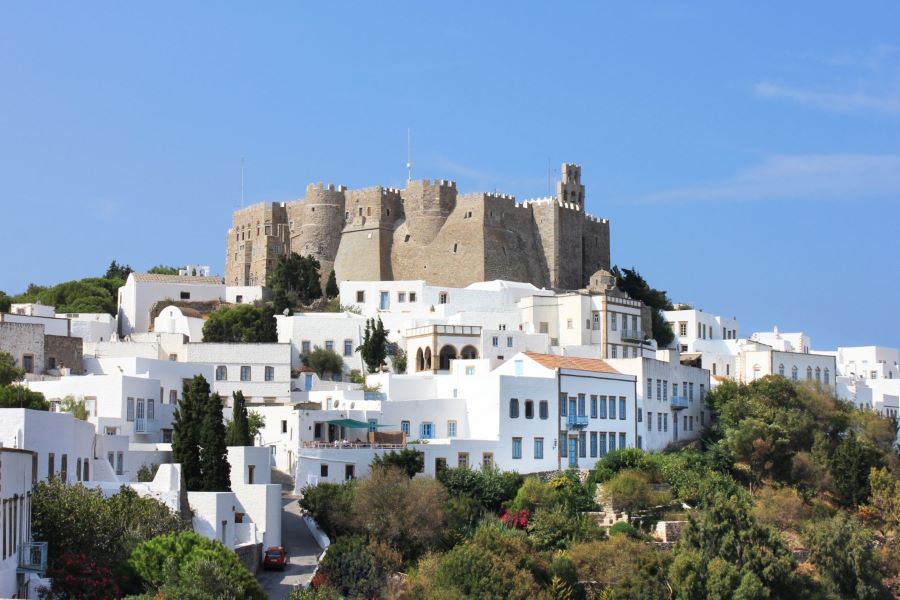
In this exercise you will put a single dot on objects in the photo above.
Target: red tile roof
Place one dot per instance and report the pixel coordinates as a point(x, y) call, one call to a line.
point(552, 361)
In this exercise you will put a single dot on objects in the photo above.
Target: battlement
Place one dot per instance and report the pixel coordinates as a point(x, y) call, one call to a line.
point(319, 187)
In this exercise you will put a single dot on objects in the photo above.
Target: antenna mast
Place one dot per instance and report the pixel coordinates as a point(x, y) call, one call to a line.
point(408, 155)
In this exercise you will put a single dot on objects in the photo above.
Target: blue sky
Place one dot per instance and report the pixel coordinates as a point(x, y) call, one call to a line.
point(747, 154)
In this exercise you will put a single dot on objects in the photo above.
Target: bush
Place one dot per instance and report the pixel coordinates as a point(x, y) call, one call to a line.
point(842, 550)
point(352, 569)
point(623, 528)
point(167, 559)
point(490, 487)
point(330, 505)
point(78, 576)
point(556, 529)
point(407, 460)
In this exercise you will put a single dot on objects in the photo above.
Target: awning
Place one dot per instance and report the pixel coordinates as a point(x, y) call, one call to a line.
point(354, 424)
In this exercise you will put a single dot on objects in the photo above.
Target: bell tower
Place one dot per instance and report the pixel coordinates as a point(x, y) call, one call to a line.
point(570, 189)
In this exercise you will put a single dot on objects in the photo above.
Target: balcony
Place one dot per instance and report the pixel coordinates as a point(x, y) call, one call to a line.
point(576, 421)
point(32, 557)
point(678, 402)
point(632, 335)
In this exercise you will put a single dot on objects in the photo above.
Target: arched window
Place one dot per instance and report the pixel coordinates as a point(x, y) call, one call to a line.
point(514, 408)
point(794, 372)
point(827, 377)
point(468, 352)
point(781, 369)
point(809, 373)
point(447, 354)
point(818, 374)
point(420, 360)
point(427, 359)
point(221, 373)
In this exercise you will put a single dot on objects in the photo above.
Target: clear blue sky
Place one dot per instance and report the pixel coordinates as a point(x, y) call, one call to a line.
point(747, 154)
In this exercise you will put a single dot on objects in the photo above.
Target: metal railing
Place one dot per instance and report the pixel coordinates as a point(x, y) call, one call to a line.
point(444, 329)
point(576, 421)
point(633, 334)
point(33, 557)
point(678, 402)
point(351, 445)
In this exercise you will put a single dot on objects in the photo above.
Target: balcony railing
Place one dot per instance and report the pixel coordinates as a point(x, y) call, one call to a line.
point(576, 421)
point(679, 402)
point(140, 425)
point(33, 557)
point(632, 335)
point(341, 445)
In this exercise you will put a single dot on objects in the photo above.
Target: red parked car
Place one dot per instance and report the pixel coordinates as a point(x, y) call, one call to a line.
point(274, 558)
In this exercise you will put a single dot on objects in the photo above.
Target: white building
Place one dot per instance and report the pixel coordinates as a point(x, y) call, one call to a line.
point(339, 332)
point(143, 290)
point(182, 320)
point(63, 445)
point(261, 371)
point(671, 398)
point(692, 327)
point(37, 314)
point(91, 327)
point(17, 478)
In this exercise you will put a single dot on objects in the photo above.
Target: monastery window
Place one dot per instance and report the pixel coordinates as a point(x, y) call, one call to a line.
point(529, 409)
point(368, 211)
point(649, 388)
point(509, 341)
point(781, 369)
point(360, 210)
point(257, 231)
point(28, 363)
point(51, 465)
point(64, 468)
point(151, 410)
point(543, 410)
point(514, 408)
point(818, 374)
point(443, 297)
point(268, 230)
point(809, 373)
point(323, 470)
point(596, 320)
point(347, 215)
point(455, 247)
point(245, 373)
point(86, 469)
point(221, 373)
point(406, 238)
point(185, 295)
point(613, 351)
point(387, 212)
point(794, 373)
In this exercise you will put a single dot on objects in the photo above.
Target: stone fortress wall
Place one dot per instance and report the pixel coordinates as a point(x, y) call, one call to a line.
point(425, 231)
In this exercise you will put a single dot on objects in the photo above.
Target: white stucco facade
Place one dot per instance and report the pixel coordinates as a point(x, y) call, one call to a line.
point(142, 290)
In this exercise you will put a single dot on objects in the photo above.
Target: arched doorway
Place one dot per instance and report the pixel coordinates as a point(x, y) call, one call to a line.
point(468, 352)
point(427, 359)
point(420, 360)
point(447, 354)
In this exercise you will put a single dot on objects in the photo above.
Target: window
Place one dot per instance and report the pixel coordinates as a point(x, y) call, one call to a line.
point(809, 373)
point(593, 406)
point(443, 298)
point(348, 347)
point(622, 442)
point(495, 341)
point(702, 392)
point(426, 430)
point(612, 441)
point(412, 296)
point(649, 389)
point(173, 396)
point(728, 370)
point(613, 321)
point(674, 390)
point(166, 436)
point(601, 443)
point(185, 295)
point(602, 407)
point(612, 351)
point(659, 417)
point(470, 370)
point(543, 409)
point(563, 404)
point(245, 373)
point(690, 391)
point(50, 363)
point(120, 463)
point(384, 301)
point(819, 374)
point(270, 374)
point(665, 422)
point(462, 460)
point(582, 444)
point(517, 447)
point(509, 341)
point(514, 408)
point(329, 345)
point(401, 297)
point(621, 408)
point(539, 447)
point(593, 444)
point(129, 409)
point(487, 460)
point(404, 427)
point(827, 376)
point(682, 328)
point(665, 390)
point(323, 470)
point(595, 320)
point(451, 429)
point(529, 409)
point(612, 407)
point(570, 324)
point(284, 426)
point(658, 389)
point(360, 296)
point(64, 468)
point(794, 373)
point(781, 369)
point(581, 405)
point(640, 415)
point(305, 347)
point(649, 421)
point(151, 409)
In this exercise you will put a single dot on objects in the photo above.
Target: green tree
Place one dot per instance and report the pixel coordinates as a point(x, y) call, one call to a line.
point(323, 361)
point(374, 346)
point(491, 488)
point(555, 528)
point(632, 283)
point(186, 426)
point(153, 561)
point(626, 567)
point(315, 593)
point(255, 423)
point(70, 405)
point(400, 361)
point(295, 281)
point(163, 270)
point(353, 569)
point(241, 323)
point(97, 295)
point(850, 465)
point(237, 433)
point(117, 271)
point(17, 396)
point(884, 500)
point(214, 467)
point(330, 506)
point(331, 287)
point(408, 460)
point(9, 372)
point(147, 472)
point(5, 302)
point(842, 550)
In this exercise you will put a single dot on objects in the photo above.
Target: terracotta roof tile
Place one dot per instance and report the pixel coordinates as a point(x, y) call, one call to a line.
point(552, 361)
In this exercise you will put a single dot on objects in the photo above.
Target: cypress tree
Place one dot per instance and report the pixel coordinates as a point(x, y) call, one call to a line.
point(216, 472)
point(238, 431)
point(331, 287)
point(186, 430)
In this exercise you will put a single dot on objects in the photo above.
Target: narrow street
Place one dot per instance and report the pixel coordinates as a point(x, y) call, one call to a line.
point(302, 551)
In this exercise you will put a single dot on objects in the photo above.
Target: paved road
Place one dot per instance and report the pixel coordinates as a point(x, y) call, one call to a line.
point(302, 551)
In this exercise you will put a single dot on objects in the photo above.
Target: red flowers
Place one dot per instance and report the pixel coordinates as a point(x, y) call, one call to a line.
point(516, 519)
